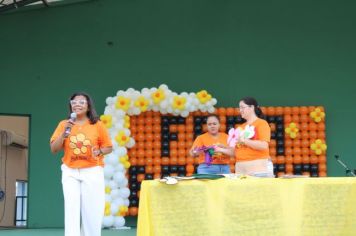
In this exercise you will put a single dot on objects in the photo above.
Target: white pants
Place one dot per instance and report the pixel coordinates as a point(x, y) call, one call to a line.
point(259, 168)
point(84, 199)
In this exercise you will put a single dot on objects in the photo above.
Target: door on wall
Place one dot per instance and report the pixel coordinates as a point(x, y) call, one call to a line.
point(14, 135)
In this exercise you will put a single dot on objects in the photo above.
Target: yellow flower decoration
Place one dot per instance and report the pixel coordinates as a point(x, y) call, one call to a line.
point(79, 143)
point(318, 147)
point(107, 190)
point(127, 121)
point(123, 103)
point(121, 138)
point(179, 102)
point(124, 159)
point(107, 210)
point(317, 115)
point(142, 103)
point(158, 96)
point(107, 120)
point(122, 211)
point(203, 96)
point(292, 130)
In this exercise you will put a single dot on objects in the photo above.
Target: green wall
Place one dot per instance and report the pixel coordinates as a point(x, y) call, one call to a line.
point(287, 53)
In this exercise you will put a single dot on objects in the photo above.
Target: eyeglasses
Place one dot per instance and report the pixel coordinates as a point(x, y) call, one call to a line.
point(81, 102)
point(242, 108)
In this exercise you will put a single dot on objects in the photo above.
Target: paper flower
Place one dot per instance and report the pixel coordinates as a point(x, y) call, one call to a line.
point(179, 102)
point(123, 103)
point(292, 130)
point(158, 96)
point(318, 147)
point(248, 132)
point(107, 120)
point(79, 143)
point(203, 96)
point(142, 103)
point(121, 138)
point(208, 151)
point(233, 137)
point(317, 115)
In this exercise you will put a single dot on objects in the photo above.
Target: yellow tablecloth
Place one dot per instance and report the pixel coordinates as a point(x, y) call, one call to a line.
point(301, 206)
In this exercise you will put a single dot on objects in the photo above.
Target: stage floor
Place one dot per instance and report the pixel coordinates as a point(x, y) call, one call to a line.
point(60, 232)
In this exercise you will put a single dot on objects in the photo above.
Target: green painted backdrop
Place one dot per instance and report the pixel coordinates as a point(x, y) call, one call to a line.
point(287, 53)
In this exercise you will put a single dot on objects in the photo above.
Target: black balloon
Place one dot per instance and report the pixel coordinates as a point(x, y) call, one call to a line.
point(165, 169)
point(148, 176)
point(133, 186)
point(280, 150)
point(273, 135)
point(280, 135)
point(141, 170)
point(281, 168)
point(230, 120)
point(164, 121)
point(181, 120)
point(271, 119)
point(174, 169)
point(279, 119)
point(239, 120)
point(165, 152)
point(165, 129)
point(133, 178)
point(297, 169)
point(173, 137)
point(306, 167)
point(280, 127)
point(134, 202)
point(173, 120)
point(133, 170)
point(197, 120)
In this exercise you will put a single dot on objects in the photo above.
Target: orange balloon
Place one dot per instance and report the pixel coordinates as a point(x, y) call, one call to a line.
point(314, 159)
point(271, 111)
point(222, 128)
point(182, 152)
point(149, 169)
point(280, 160)
point(272, 143)
point(222, 119)
point(322, 159)
point(304, 110)
point(273, 126)
point(313, 134)
point(288, 143)
point(230, 111)
point(133, 211)
point(322, 167)
point(165, 161)
point(288, 151)
point(321, 126)
point(305, 143)
point(280, 174)
point(279, 111)
point(287, 119)
point(133, 129)
point(173, 161)
point(297, 159)
point(189, 168)
point(173, 144)
point(140, 145)
point(296, 143)
point(181, 161)
point(148, 145)
point(157, 144)
point(232, 161)
point(149, 161)
point(272, 151)
point(189, 137)
point(295, 111)
point(140, 153)
point(173, 152)
point(304, 118)
point(305, 151)
point(140, 177)
point(141, 161)
point(181, 144)
point(181, 128)
point(133, 161)
point(157, 161)
point(189, 120)
point(322, 174)
point(156, 136)
point(190, 160)
point(287, 110)
point(173, 128)
point(181, 136)
point(289, 168)
point(157, 169)
point(289, 159)
point(297, 151)
point(295, 118)
point(305, 159)
point(304, 125)
point(156, 175)
point(321, 135)
point(156, 152)
point(189, 128)
point(221, 111)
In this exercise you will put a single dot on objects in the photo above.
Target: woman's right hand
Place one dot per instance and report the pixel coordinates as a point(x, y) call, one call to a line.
point(68, 124)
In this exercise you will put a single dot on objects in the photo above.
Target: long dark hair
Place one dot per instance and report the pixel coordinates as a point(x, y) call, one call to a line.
point(250, 101)
point(91, 113)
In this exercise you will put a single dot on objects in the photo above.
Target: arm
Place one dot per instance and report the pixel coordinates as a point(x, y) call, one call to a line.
point(102, 151)
point(57, 144)
point(229, 151)
point(256, 144)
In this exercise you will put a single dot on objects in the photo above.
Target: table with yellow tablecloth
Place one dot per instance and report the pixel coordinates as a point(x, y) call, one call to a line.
point(248, 206)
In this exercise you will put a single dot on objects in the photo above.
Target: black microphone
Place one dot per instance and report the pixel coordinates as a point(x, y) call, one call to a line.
point(73, 116)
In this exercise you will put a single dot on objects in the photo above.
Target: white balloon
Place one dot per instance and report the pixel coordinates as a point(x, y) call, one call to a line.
point(109, 100)
point(213, 101)
point(119, 201)
point(108, 171)
point(123, 183)
point(120, 93)
point(115, 193)
point(126, 202)
point(121, 151)
point(111, 159)
point(211, 109)
point(108, 221)
point(113, 184)
point(114, 208)
point(108, 198)
point(119, 125)
point(119, 167)
point(163, 86)
point(124, 192)
point(130, 143)
point(119, 221)
point(185, 114)
point(118, 177)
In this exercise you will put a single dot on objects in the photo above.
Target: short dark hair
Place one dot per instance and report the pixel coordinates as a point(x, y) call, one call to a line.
point(212, 115)
point(91, 113)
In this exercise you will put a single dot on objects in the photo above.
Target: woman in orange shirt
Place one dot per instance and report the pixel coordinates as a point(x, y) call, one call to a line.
point(252, 154)
point(85, 141)
point(219, 163)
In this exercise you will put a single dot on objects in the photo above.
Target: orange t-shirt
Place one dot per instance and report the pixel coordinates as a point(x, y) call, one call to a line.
point(78, 145)
point(262, 133)
point(208, 140)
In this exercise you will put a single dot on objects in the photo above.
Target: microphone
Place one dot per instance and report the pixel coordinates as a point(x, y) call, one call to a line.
point(73, 116)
